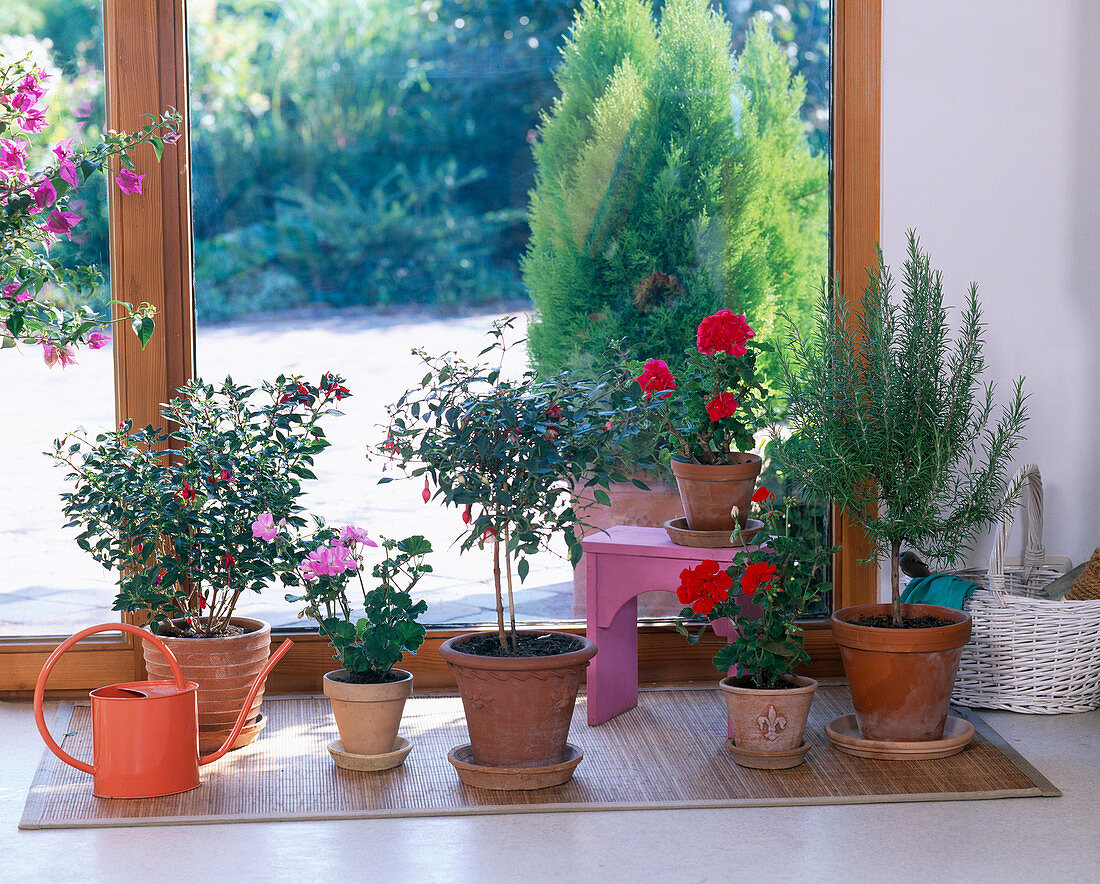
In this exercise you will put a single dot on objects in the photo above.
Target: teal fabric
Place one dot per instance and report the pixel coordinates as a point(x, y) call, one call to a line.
point(938, 589)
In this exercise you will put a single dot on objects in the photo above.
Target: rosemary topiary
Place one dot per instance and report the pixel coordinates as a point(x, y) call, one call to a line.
point(891, 422)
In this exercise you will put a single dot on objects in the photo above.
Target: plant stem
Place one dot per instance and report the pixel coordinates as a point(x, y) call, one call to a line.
point(511, 599)
point(496, 588)
point(895, 591)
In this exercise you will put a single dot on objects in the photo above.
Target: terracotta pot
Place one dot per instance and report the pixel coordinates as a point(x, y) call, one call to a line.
point(901, 679)
point(368, 716)
point(769, 720)
point(630, 505)
point(518, 709)
point(710, 491)
point(224, 669)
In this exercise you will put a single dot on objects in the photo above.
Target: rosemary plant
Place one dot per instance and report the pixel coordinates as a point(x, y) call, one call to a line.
point(891, 421)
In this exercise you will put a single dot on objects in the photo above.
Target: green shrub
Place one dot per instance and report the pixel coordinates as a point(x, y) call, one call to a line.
point(660, 157)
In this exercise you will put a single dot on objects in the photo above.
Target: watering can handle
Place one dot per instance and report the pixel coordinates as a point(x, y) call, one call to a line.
point(40, 686)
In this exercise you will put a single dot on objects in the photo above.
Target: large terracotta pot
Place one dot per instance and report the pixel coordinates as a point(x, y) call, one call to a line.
point(224, 669)
point(710, 491)
point(630, 505)
point(901, 679)
point(769, 720)
point(518, 709)
point(368, 716)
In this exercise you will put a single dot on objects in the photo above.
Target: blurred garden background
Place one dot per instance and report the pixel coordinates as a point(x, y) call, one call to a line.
point(387, 166)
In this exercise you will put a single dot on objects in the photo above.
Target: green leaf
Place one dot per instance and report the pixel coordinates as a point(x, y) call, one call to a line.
point(522, 568)
point(143, 327)
point(158, 146)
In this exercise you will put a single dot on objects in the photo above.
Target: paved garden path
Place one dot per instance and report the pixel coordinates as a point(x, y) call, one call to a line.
point(48, 586)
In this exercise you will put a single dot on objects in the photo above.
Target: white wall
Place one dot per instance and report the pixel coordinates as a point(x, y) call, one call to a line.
point(991, 150)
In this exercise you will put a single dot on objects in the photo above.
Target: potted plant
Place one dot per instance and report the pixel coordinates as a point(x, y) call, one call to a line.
point(707, 416)
point(37, 213)
point(184, 514)
point(369, 638)
point(767, 702)
point(891, 423)
point(506, 452)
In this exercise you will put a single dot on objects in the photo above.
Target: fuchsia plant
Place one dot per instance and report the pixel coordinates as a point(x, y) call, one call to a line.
point(34, 214)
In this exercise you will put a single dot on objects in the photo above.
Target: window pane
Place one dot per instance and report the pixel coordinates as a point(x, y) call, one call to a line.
point(362, 173)
point(50, 586)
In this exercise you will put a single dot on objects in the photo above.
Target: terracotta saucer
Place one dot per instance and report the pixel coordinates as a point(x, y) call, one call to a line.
point(512, 779)
point(680, 534)
point(843, 733)
point(351, 761)
point(211, 741)
point(769, 760)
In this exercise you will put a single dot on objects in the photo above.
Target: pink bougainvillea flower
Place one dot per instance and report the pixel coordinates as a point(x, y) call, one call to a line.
point(67, 171)
point(350, 536)
point(31, 85)
point(656, 378)
point(97, 340)
point(63, 148)
point(52, 355)
point(11, 290)
point(722, 405)
point(129, 182)
point(265, 528)
point(171, 136)
point(62, 222)
point(13, 153)
point(34, 120)
point(45, 195)
point(723, 331)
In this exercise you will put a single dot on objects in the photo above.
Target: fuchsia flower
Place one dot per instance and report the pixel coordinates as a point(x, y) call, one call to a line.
point(45, 195)
point(52, 355)
point(351, 536)
point(265, 528)
point(186, 493)
point(97, 340)
point(427, 492)
point(62, 222)
point(129, 182)
point(328, 561)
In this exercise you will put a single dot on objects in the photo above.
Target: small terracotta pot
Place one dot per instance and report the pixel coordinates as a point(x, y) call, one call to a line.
point(901, 679)
point(518, 709)
point(368, 716)
point(769, 720)
point(710, 491)
point(630, 505)
point(224, 668)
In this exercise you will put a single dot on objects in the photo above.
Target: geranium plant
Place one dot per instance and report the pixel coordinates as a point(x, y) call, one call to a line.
point(709, 412)
point(366, 646)
point(35, 289)
point(187, 514)
point(775, 585)
point(506, 453)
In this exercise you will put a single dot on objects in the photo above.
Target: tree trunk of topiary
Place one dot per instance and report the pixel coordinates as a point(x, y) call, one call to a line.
point(895, 587)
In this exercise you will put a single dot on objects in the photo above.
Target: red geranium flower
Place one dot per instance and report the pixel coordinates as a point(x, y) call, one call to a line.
point(757, 573)
point(704, 586)
point(723, 331)
point(723, 405)
point(656, 378)
point(762, 494)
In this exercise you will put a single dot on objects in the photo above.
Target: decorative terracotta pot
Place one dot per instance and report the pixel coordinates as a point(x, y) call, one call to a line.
point(901, 679)
point(368, 716)
point(518, 709)
point(224, 668)
point(769, 720)
point(710, 491)
point(630, 505)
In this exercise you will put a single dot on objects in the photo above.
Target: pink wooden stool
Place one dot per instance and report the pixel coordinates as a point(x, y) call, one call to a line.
point(622, 563)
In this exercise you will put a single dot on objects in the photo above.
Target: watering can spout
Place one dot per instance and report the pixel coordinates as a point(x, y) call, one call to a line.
point(227, 745)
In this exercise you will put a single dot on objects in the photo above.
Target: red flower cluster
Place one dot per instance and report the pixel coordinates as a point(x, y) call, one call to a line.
point(722, 405)
point(331, 388)
point(656, 378)
point(762, 495)
point(186, 493)
point(723, 331)
point(554, 413)
point(757, 574)
point(704, 586)
point(301, 394)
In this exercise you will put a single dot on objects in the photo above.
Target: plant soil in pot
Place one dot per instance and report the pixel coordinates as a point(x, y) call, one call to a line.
point(518, 708)
point(901, 679)
point(224, 668)
point(710, 492)
point(368, 716)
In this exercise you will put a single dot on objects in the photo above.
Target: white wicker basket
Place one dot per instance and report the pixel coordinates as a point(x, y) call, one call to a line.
point(1028, 654)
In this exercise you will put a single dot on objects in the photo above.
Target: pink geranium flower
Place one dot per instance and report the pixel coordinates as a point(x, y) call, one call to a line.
point(328, 561)
point(265, 528)
point(129, 182)
point(350, 536)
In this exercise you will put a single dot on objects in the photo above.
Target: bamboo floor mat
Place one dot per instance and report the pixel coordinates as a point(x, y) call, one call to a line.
point(667, 753)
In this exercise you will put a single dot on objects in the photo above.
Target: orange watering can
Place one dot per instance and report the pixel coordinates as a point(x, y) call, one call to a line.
point(145, 734)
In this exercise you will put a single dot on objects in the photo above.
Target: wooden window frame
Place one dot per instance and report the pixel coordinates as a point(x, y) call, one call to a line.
point(151, 260)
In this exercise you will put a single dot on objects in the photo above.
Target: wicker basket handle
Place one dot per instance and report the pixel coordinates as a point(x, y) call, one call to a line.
point(1035, 554)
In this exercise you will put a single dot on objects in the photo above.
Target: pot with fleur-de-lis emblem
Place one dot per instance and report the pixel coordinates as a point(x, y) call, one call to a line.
point(768, 726)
